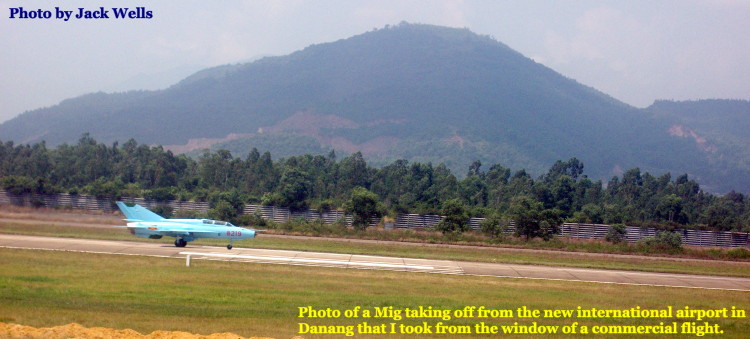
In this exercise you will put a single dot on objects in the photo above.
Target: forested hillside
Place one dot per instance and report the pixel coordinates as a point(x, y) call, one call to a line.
point(719, 128)
point(416, 92)
point(327, 182)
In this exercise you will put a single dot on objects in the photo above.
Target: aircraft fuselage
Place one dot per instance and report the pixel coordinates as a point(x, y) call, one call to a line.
point(157, 229)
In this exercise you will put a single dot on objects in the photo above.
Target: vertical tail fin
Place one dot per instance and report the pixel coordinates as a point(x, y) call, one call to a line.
point(138, 213)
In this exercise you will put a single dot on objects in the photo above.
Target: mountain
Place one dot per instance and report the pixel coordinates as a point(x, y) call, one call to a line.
point(720, 128)
point(419, 92)
point(725, 121)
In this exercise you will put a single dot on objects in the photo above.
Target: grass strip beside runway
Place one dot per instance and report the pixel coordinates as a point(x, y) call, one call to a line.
point(423, 251)
point(48, 288)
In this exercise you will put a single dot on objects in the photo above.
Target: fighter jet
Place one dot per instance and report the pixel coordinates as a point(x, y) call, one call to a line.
point(144, 223)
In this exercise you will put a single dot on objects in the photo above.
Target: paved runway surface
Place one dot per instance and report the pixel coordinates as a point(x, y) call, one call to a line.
point(375, 262)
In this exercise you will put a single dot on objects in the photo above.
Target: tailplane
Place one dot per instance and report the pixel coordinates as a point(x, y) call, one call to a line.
point(138, 213)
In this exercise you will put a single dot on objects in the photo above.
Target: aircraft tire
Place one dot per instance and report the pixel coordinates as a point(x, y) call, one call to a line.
point(180, 243)
point(229, 247)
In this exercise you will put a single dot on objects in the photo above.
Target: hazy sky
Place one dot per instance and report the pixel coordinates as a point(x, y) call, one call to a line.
point(635, 51)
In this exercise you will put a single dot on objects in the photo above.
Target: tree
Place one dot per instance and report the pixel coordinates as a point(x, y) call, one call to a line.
point(721, 215)
point(474, 190)
point(215, 169)
point(294, 188)
point(631, 185)
point(669, 207)
point(353, 172)
point(474, 168)
point(589, 213)
point(456, 217)
point(572, 168)
point(532, 220)
point(364, 206)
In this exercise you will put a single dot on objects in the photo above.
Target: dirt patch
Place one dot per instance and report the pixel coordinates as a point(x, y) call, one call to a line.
point(78, 331)
point(203, 143)
point(370, 147)
point(687, 132)
point(308, 123)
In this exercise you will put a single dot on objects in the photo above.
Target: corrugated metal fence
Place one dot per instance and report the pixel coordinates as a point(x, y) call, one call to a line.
point(404, 221)
point(91, 203)
point(595, 231)
point(283, 214)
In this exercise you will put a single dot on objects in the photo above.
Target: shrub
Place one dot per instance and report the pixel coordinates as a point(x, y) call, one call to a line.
point(738, 253)
point(616, 233)
point(665, 241)
point(37, 202)
point(188, 214)
point(494, 226)
point(325, 205)
point(364, 206)
point(162, 194)
point(223, 211)
point(163, 210)
point(17, 185)
point(251, 220)
point(532, 220)
point(456, 218)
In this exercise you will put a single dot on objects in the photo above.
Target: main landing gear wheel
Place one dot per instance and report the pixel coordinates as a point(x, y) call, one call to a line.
point(180, 242)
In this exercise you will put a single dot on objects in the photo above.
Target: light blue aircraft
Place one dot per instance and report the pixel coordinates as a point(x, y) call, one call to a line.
point(147, 224)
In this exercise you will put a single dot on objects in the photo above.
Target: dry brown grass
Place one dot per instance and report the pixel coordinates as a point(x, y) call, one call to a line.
point(77, 331)
point(60, 215)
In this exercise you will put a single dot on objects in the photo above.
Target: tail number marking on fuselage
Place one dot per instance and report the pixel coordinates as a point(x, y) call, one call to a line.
point(234, 233)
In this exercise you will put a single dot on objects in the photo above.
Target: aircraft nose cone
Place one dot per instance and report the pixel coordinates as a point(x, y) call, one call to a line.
point(250, 234)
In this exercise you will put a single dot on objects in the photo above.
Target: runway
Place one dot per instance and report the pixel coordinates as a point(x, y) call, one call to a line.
point(352, 261)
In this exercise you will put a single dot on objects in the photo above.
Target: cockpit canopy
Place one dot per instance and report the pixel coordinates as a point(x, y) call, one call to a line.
point(217, 222)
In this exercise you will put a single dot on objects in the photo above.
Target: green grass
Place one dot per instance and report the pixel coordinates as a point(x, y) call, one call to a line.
point(49, 288)
point(503, 255)
point(425, 251)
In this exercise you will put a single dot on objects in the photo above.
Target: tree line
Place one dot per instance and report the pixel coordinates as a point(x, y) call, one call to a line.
point(325, 182)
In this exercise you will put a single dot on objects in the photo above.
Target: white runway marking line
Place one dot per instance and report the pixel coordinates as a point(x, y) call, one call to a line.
point(308, 261)
point(611, 282)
